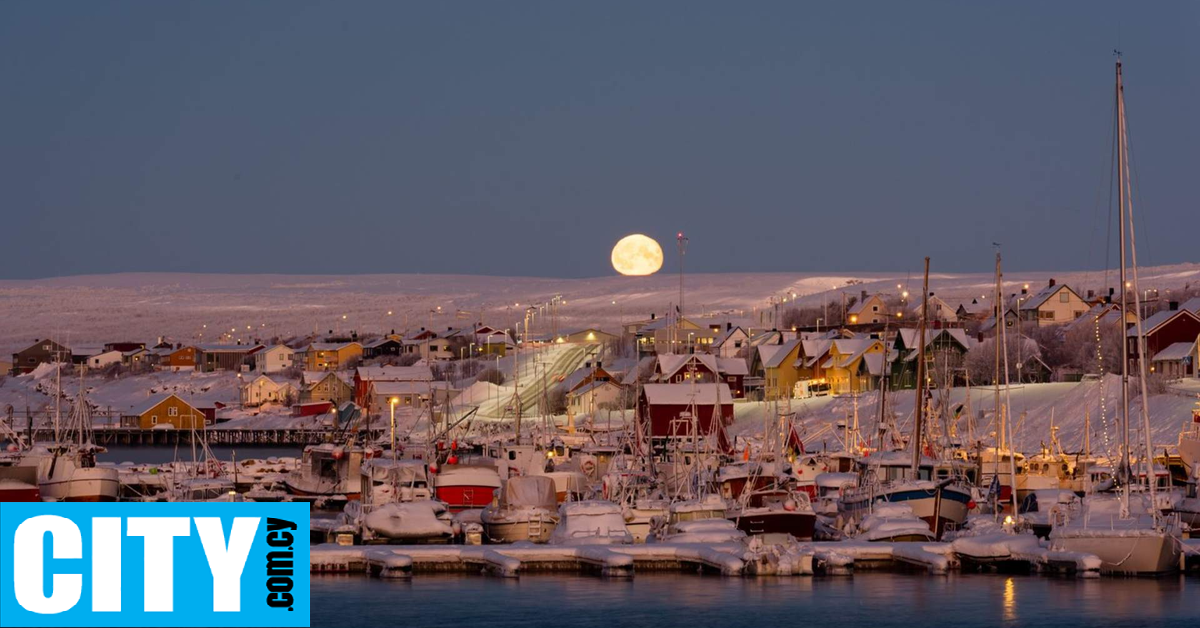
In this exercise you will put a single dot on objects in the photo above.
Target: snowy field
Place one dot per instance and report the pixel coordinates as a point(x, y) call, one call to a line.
point(190, 307)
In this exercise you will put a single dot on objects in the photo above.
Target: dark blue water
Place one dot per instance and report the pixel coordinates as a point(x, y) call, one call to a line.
point(866, 599)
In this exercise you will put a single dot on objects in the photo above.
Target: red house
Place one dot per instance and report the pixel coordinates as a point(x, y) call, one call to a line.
point(680, 368)
point(1163, 330)
point(672, 410)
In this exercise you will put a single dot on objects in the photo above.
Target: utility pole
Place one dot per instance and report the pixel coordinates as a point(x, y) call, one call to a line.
point(918, 427)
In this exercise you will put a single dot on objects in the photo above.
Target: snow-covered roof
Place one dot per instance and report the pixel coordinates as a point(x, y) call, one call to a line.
point(1192, 305)
point(1175, 352)
point(592, 385)
point(732, 366)
point(379, 342)
point(686, 394)
point(405, 388)
point(670, 363)
point(726, 335)
point(330, 346)
point(226, 348)
point(1038, 299)
point(395, 373)
point(154, 401)
point(777, 358)
point(860, 306)
point(1107, 313)
point(1159, 319)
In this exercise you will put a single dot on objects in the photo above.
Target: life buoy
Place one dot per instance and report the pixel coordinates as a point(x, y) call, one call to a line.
point(589, 467)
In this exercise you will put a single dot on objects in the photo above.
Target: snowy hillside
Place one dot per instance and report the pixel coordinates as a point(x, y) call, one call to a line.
point(190, 307)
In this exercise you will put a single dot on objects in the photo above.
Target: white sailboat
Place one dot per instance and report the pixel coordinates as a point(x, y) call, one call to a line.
point(1126, 531)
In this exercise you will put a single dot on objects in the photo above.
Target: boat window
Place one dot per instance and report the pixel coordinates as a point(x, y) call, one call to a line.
point(512, 455)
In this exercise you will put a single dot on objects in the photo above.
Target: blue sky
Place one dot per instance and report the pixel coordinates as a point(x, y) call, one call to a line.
point(525, 138)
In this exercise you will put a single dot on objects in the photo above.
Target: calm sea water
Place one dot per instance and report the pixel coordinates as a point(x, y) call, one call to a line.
point(866, 599)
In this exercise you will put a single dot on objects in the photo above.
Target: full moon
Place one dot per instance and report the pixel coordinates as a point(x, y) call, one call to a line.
point(637, 255)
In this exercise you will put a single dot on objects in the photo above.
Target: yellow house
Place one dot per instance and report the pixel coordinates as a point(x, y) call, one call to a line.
point(323, 386)
point(168, 410)
point(331, 356)
point(854, 364)
point(779, 370)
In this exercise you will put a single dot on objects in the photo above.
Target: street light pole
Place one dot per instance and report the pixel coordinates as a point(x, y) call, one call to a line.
point(392, 403)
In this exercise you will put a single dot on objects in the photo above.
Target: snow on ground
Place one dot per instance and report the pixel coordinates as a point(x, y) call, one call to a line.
point(95, 309)
point(1033, 408)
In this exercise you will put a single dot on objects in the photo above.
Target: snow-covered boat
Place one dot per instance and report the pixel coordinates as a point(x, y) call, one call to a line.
point(775, 512)
point(464, 486)
point(527, 510)
point(829, 491)
point(1189, 442)
point(328, 470)
point(69, 473)
point(425, 521)
point(936, 496)
point(593, 522)
point(893, 523)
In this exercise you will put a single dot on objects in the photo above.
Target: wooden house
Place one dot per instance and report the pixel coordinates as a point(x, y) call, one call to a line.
point(40, 352)
point(166, 410)
point(686, 411)
point(1162, 330)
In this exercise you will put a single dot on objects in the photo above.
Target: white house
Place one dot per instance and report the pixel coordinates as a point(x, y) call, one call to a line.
point(263, 389)
point(274, 359)
point(587, 399)
point(101, 360)
point(731, 342)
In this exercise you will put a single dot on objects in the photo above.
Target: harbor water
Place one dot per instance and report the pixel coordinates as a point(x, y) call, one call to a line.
point(865, 599)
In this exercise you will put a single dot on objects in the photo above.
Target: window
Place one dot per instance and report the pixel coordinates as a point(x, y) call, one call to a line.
point(874, 308)
point(154, 419)
point(172, 411)
point(1064, 297)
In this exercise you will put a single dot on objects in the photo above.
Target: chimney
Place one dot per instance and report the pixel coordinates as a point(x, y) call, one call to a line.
point(1173, 305)
point(728, 326)
point(599, 364)
point(864, 296)
point(651, 315)
point(1025, 291)
point(422, 329)
point(1052, 282)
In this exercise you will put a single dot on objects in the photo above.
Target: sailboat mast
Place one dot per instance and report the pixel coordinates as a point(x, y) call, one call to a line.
point(1124, 468)
point(918, 427)
point(999, 319)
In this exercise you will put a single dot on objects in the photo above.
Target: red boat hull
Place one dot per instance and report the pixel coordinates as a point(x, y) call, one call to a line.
point(20, 494)
point(464, 497)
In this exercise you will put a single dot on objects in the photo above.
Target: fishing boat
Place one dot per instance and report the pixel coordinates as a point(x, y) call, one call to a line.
point(67, 469)
point(329, 470)
point(527, 510)
point(590, 523)
point(18, 471)
point(467, 485)
point(933, 492)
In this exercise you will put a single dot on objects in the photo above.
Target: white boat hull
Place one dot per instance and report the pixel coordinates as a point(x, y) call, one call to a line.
point(1142, 555)
point(82, 485)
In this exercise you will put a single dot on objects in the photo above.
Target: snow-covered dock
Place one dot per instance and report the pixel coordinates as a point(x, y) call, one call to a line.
point(730, 559)
point(509, 560)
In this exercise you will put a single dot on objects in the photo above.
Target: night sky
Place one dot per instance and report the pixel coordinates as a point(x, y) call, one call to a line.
point(525, 138)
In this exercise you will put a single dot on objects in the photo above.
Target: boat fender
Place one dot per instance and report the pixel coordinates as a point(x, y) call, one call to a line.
point(452, 460)
point(605, 487)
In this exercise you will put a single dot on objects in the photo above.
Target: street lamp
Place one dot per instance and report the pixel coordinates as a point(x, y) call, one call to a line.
point(392, 403)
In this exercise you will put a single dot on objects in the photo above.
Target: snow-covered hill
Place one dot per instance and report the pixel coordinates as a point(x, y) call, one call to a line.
point(190, 307)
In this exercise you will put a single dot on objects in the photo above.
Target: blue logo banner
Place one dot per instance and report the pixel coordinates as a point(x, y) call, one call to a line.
point(154, 564)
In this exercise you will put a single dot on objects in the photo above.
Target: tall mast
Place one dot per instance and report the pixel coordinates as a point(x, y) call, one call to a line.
point(918, 427)
point(1000, 322)
point(1123, 470)
point(682, 244)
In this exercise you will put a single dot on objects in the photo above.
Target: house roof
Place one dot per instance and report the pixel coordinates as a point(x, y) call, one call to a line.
point(1038, 299)
point(331, 346)
point(1107, 313)
point(1175, 352)
point(406, 388)
point(154, 401)
point(312, 378)
point(686, 394)
point(670, 363)
point(592, 385)
point(732, 366)
point(1159, 319)
point(1192, 305)
point(226, 348)
point(862, 305)
point(726, 335)
point(909, 336)
point(412, 373)
point(777, 357)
